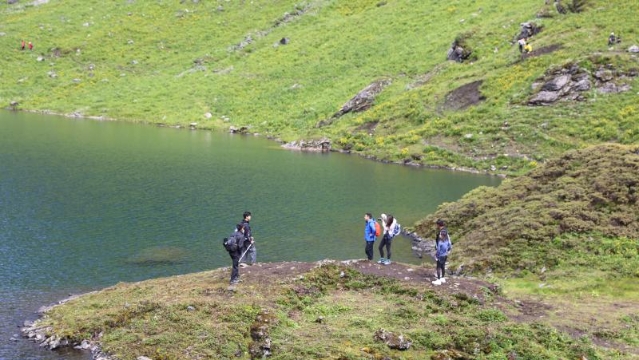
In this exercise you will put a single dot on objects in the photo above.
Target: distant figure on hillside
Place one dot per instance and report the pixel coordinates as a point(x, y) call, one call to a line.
point(522, 43)
point(30, 45)
point(22, 45)
point(391, 229)
point(369, 235)
point(444, 248)
point(612, 39)
point(528, 48)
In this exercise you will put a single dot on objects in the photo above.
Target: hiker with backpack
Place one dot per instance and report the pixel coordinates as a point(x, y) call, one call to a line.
point(234, 244)
point(391, 229)
point(444, 248)
point(249, 243)
point(371, 231)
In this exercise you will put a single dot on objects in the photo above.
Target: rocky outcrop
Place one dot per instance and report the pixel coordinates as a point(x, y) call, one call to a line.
point(360, 102)
point(321, 145)
point(44, 337)
point(395, 342)
point(570, 83)
point(240, 130)
point(528, 29)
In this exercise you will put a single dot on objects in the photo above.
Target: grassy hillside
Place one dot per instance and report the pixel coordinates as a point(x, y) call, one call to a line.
point(173, 62)
point(581, 207)
point(566, 233)
point(336, 311)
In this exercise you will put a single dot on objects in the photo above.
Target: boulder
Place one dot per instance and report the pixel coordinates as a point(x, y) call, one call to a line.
point(544, 98)
point(557, 83)
point(604, 75)
point(612, 88)
point(633, 49)
point(582, 85)
point(360, 102)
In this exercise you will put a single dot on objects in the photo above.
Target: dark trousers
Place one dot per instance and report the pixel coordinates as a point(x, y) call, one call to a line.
point(386, 242)
point(235, 272)
point(441, 267)
point(369, 250)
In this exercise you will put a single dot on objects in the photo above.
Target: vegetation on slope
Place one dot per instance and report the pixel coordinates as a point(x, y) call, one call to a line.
point(173, 62)
point(585, 201)
point(327, 312)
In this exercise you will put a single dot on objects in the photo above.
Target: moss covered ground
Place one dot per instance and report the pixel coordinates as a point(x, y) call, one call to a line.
point(171, 63)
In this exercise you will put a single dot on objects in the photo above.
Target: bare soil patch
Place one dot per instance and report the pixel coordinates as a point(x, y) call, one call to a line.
point(463, 97)
point(544, 50)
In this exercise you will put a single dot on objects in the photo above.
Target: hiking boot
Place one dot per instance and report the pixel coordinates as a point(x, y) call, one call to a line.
point(243, 265)
point(436, 282)
point(381, 261)
point(386, 262)
point(442, 280)
point(235, 282)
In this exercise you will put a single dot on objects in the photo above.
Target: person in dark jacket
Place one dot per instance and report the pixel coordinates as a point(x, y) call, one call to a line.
point(249, 245)
point(235, 255)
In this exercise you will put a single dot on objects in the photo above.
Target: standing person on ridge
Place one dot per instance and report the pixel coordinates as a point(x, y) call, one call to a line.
point(22, 45)
point(369, 235)
point(249, 244)
point(389, 224)
point(444, 248)
point(30, 45)
point(237, 253)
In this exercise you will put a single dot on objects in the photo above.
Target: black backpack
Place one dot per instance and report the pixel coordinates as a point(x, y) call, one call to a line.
point(230, 243)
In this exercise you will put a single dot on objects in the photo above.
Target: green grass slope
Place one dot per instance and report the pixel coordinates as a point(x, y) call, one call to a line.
point(173, 62)
point(581, 207)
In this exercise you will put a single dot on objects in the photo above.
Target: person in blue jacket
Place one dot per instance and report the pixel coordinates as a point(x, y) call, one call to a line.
point(443, 249)
point(369, 234)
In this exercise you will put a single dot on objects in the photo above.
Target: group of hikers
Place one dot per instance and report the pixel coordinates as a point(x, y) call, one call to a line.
point(23, 45)
point(241, 244)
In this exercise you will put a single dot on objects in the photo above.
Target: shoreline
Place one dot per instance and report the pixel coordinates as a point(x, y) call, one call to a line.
point(291, 146)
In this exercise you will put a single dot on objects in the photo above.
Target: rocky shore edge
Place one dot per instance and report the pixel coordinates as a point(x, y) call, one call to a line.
point(45, 338)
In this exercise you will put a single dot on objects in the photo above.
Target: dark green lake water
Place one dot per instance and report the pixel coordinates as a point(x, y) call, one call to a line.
point(86, 204)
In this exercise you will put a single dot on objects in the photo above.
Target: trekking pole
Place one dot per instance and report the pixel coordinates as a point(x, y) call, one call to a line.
point(245, 251)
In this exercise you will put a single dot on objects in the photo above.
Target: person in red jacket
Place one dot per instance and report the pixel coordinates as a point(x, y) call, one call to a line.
point(30, 45)
point(22, 44)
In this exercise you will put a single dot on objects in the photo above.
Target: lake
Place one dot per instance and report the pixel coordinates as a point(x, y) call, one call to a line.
point(86, 204)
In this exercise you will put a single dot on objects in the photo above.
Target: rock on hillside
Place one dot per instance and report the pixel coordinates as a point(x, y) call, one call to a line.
point(588, 191)
point(571, 81)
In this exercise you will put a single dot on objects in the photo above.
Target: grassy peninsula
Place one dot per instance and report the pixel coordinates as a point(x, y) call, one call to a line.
point(281, 68)
point(550, 260)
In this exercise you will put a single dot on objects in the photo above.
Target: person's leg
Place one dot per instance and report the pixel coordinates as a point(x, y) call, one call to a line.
point(235, 272)
point(381, 246)
point(443, 264)
point(252, 255)
point(388, 247)
point(369, 250)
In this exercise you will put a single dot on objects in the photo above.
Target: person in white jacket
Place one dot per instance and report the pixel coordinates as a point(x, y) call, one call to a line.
point(389, 224)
